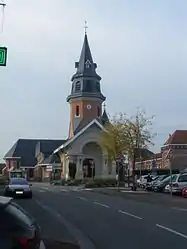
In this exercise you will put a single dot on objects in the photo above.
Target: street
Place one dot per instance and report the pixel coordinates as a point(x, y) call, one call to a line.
point(105, 222)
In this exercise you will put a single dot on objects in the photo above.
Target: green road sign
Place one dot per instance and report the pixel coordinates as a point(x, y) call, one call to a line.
point(3, 56)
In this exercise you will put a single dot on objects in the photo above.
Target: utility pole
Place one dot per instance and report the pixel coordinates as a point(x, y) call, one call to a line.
point(3, 50)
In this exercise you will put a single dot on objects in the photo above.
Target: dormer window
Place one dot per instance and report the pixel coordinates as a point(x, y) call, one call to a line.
point(77, 86)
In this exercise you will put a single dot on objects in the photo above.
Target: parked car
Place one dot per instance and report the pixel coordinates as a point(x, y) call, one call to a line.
point(178, 183)
point(18, 229)
point(160, 185)
point(149, 185)
point(158, 180)
point(18, 187)
point(143, 181)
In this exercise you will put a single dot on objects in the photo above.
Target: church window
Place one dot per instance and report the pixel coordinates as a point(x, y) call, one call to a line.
point(88, 86)
point(98, 111)
point(77, 86)
point(77, 111)
point(98, 87)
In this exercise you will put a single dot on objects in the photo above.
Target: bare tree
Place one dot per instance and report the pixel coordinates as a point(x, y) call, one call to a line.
point(127, 136)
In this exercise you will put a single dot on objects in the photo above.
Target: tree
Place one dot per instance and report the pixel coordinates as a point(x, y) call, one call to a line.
point(127, 136)
point(112, 139)
point(139, 135)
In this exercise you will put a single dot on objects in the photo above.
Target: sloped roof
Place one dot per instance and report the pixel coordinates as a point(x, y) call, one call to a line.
point(144, 154)
point(85, 122)
point(26, 150)
point(104, 118)
point(86, 66)
point(53, 158)
point(48, 146)
point(178, 137)
point(94, 121)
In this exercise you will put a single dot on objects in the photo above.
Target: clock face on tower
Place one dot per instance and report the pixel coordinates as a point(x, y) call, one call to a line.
point(89, 107)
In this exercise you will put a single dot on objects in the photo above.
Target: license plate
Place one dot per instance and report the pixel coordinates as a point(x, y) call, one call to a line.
point(19, 192)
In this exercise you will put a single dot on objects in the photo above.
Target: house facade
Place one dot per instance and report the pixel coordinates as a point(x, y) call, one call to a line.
point(30, 155)
point(173, 154)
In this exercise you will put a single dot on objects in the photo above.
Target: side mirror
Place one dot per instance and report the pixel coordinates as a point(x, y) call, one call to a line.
point(30, 184)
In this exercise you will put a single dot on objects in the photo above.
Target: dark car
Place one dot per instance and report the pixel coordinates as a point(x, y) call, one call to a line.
point(18, 229)
point(149, 184)
point(156, 182)
point(160, 185)
point(18, 187)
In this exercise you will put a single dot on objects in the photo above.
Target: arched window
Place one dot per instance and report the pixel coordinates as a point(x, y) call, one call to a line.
point(77, 86)
point(77, 113)
point(98, 111)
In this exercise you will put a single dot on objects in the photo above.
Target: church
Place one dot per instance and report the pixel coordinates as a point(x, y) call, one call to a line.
point(82, 150)
point(81, 154)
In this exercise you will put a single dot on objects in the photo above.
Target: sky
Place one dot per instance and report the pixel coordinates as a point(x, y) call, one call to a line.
point(140, 47)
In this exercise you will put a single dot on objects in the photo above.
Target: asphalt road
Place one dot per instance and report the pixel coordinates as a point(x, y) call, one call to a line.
point(105, 222)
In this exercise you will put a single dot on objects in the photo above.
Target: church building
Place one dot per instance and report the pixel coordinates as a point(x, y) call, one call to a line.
point(82, 150)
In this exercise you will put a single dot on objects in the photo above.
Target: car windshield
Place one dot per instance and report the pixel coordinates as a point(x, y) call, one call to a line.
point(18, 182)
point(162, 177)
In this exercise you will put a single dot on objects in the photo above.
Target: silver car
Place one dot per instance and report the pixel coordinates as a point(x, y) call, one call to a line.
point(178, 183)
point(18, 187)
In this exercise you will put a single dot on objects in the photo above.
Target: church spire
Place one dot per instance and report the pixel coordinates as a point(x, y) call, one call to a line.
point(104, 118)
point(85, 66)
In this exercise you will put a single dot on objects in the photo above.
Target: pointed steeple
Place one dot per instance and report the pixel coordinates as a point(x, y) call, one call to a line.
point(105, 119)
point(86, 81)
point(85, 66)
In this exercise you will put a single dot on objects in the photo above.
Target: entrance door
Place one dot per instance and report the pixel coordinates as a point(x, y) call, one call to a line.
point(88, 168)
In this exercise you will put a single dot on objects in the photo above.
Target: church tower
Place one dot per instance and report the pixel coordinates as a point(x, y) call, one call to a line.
point(86, 98)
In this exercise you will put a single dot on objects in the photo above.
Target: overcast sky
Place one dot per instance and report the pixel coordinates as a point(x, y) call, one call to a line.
point(140, 47)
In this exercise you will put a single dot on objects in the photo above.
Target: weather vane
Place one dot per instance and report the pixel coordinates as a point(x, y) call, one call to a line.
point(85, 27)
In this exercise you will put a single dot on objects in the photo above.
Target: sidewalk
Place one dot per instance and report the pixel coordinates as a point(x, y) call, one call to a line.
point(144, 196)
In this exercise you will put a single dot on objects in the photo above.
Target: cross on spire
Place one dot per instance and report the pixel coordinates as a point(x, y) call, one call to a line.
point(85, 27)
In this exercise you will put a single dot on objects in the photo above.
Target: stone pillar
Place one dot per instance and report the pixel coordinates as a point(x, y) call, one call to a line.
point(66, 168)
point(79, 174)
point(105, 166)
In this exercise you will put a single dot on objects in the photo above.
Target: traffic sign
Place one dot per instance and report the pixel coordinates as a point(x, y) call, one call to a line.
point(3, 56)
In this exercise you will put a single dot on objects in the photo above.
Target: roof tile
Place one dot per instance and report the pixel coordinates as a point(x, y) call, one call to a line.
point(178, 137)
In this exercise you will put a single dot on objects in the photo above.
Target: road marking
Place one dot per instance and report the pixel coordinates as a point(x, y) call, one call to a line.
point(42, 191)
point(129, 214)
point(83, 241)
point(134, 192)
point(88, 189)
point(45, 188)
point(100, 204)
point(172, 231)
point(180, 209)
point(81, 198)
point(63, 190)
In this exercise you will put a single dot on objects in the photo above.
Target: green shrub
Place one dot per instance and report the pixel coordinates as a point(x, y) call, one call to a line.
point(100, 183)
point(75, 182)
